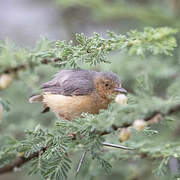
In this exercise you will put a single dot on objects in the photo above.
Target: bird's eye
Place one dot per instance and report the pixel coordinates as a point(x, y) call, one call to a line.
point(106, 84)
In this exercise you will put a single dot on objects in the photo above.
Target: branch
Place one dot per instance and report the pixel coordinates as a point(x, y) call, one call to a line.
point(12, 72)
point(26, 66)
point(21, 160)
point(153, 118)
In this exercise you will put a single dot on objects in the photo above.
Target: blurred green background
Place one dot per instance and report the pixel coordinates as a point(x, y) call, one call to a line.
point(24, 21)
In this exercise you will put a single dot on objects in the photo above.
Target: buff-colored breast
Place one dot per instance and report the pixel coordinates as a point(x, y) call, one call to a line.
point(69, 107)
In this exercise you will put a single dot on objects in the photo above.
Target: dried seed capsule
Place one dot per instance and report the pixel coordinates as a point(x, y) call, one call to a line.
point(5, 80)
point(125, 134)
point(139, 124)
point(121, 99)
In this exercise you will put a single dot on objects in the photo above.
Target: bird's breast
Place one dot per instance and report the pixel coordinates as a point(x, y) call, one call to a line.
point(70, 107)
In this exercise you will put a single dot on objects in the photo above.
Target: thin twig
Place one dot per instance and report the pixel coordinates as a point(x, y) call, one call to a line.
point(19, 161)
point(117, 146)
point(26, 65)
point(173, 110)
point(80, 162)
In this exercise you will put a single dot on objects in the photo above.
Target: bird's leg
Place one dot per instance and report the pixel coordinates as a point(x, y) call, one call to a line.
point(64, 117)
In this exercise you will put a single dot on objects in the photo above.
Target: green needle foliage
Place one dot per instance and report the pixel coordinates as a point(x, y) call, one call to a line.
point(90, 50)
point(52, 150)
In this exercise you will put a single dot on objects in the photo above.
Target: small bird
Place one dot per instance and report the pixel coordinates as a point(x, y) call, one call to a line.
point(72, 92)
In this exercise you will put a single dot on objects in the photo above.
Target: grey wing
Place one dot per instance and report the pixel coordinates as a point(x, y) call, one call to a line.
point(70, 82)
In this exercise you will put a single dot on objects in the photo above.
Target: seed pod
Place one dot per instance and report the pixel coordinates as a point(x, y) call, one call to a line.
point(125, 134)
point(121, 99)
point(1, 112)
point(139, 124)
point(5, 80)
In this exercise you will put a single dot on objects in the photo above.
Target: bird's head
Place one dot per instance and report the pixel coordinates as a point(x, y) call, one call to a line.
point(108, 85)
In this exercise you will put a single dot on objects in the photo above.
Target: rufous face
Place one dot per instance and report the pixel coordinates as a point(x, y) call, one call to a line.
point(107, 88)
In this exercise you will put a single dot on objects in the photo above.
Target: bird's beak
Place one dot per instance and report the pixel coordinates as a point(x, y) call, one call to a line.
point(121, 90)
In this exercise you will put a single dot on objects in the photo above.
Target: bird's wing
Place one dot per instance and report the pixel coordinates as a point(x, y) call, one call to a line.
point(71, 82)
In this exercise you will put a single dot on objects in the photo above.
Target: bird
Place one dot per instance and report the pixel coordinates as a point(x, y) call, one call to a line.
point(73, 92)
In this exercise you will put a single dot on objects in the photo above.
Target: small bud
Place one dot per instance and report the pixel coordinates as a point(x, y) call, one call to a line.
point(20, 154)
point(125, 134)
point(139, 125)
point(5, 80)
point(1, 112)
point(121, 99)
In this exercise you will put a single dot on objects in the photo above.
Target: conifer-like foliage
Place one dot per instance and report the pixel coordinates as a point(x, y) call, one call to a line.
point(53, 149)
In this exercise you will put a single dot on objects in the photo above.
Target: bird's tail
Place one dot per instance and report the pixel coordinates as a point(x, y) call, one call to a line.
point(39, 98)
point(36, 98)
